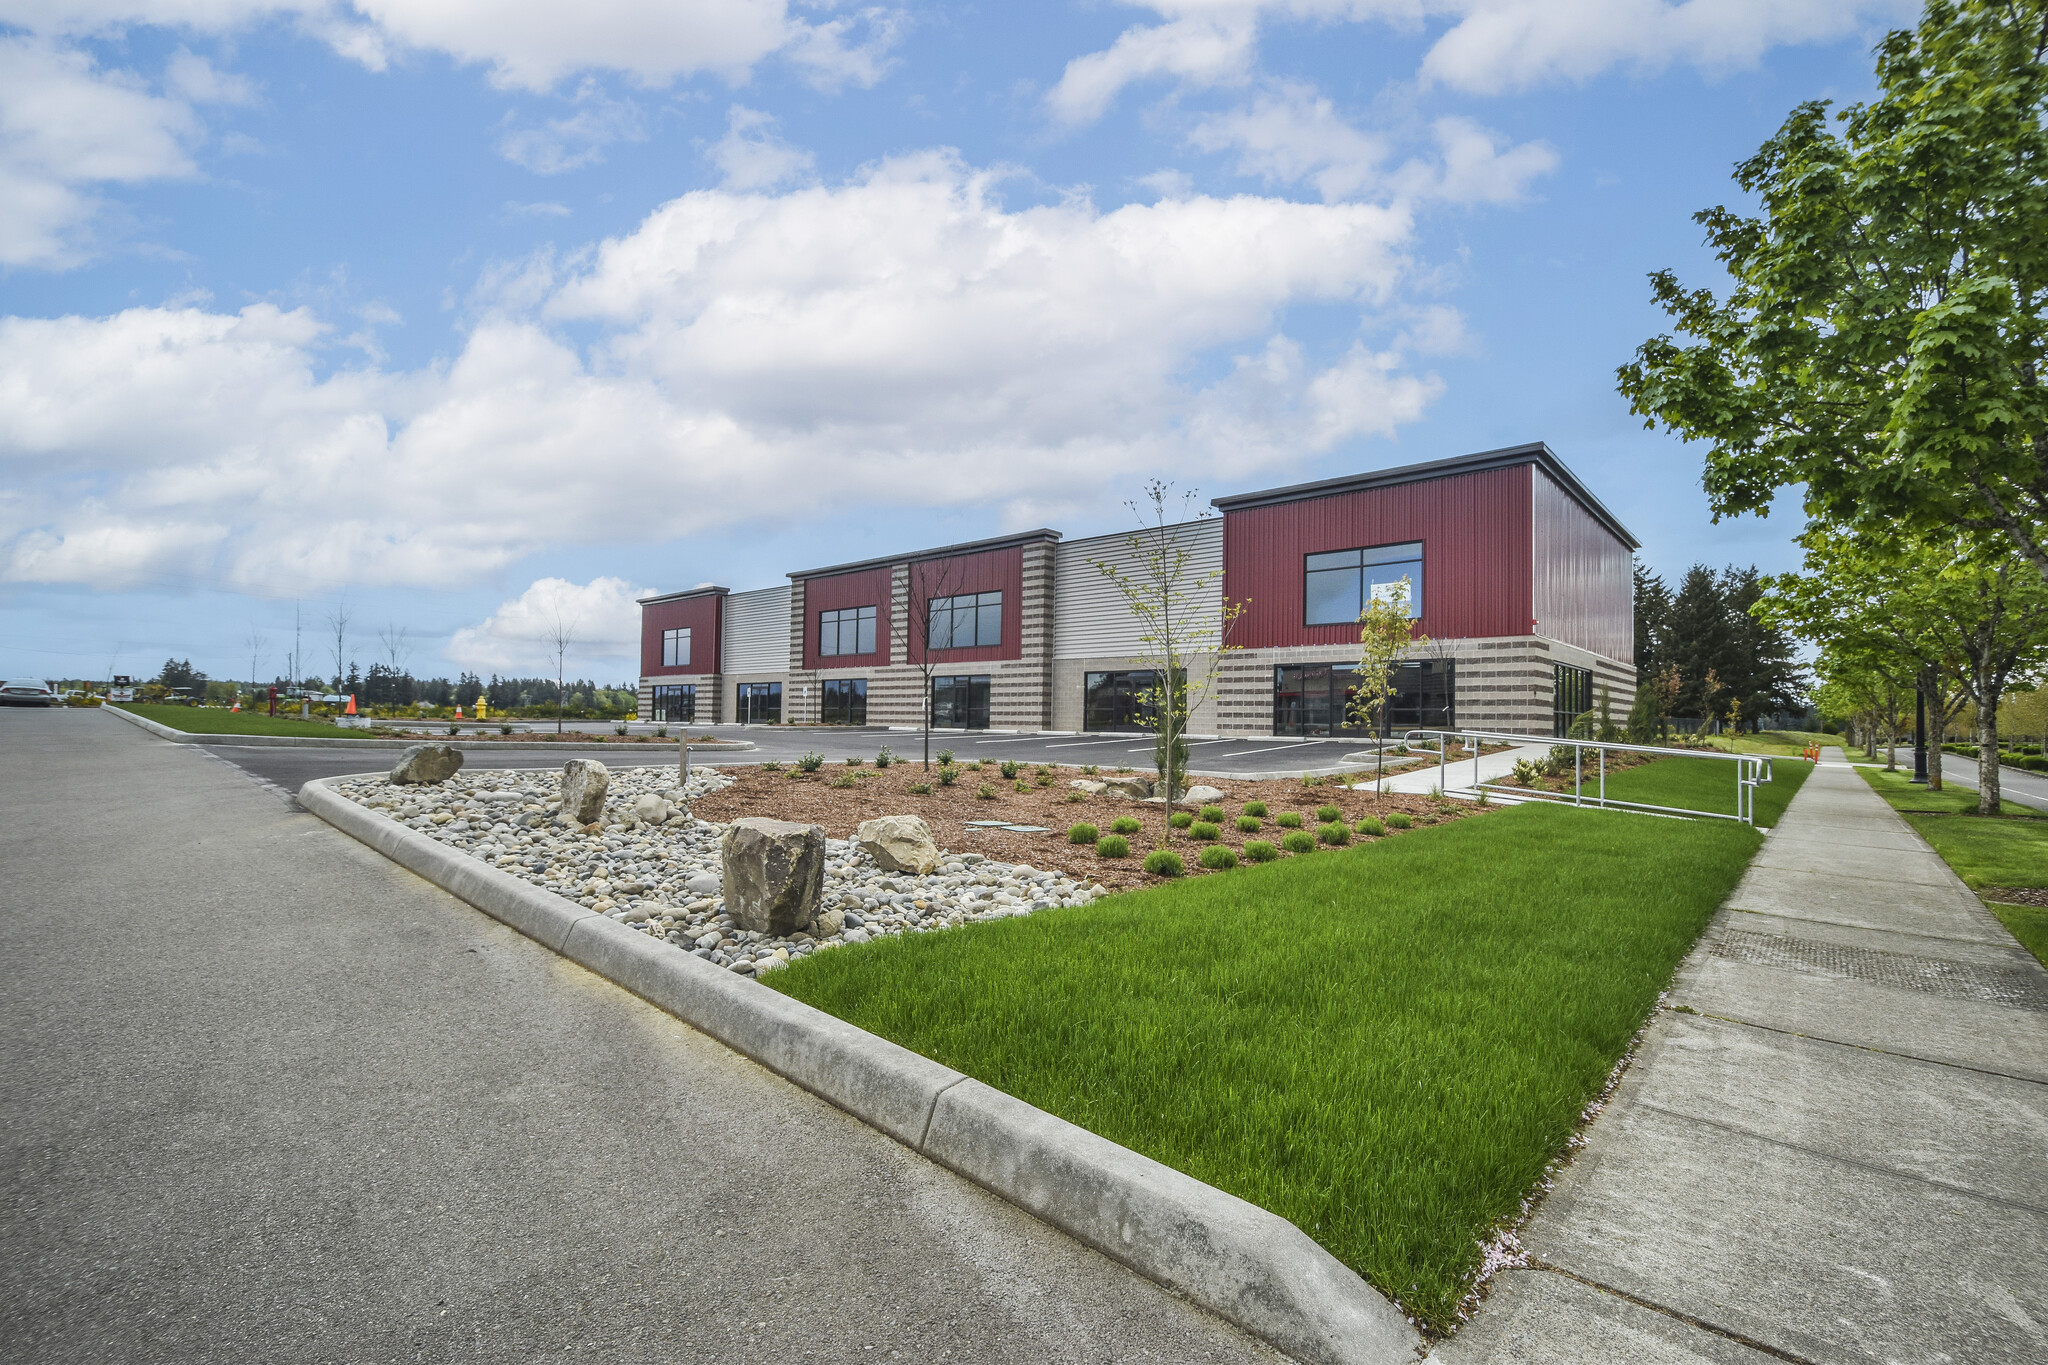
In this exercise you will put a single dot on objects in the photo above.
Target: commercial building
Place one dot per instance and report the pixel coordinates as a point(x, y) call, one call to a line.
point(1518, 577)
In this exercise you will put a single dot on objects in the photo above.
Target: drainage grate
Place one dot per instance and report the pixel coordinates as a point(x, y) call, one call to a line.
point(2022, 987)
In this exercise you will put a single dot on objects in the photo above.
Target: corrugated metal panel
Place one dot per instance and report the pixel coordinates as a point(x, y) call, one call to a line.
point(1475, 535)
point(989, 571)
point(867, 588)
point(1583, 591)
point(699, 615)
point(1091, 620)
point(757, 631)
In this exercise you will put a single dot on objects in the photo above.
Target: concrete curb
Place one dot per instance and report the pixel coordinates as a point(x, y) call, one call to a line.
point(339, 742)
point(1249, 1266)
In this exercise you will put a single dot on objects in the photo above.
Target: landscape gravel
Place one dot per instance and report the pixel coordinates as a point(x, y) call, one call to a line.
point(650, 864)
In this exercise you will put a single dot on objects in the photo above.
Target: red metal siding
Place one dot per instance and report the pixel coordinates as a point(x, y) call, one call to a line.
point(867, 588)
point(1474, 530)
point(702, 615)
point(990, 571)
point(1583, 591)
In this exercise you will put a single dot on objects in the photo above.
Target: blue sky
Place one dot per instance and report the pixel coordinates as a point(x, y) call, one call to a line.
point(461, 315)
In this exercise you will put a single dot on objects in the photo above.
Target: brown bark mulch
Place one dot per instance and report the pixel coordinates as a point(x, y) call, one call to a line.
point(2017, 895)
point(811, 799)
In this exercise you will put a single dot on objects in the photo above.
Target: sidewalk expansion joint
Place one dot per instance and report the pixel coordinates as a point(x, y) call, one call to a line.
point(2016, 987)
point(1868, 1047)
point(1851, 924)
point(1677, 1315)
point(1891, 1172)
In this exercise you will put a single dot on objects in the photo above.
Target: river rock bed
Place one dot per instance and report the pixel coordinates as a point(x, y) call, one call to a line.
point(661, 876)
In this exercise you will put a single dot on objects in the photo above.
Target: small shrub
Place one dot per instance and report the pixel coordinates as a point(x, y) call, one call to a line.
point(1124, 824)
point(844, 780)
point(1180, 819)
point(1213, 814)
point(1043, 779)
point(884, 758)
point(1073, 797)
point(1299, 841)
point(1328, 815)
point(1112, 846)
point(1288, 819)
point(972, 765)
point(504, 729)
point(1083, 833)
point(1259, 851)
point(1009, 768)
point(1371, 826)
point(1125, 768)
point(1203, 831)
point(1022, 785)
point(920, 789)
point(945, 758)
point(1089, 770)
point(1218, 858)
point(854, 760)
point(797, 775)
point(771, 766)
point(985, 793)
point(1248, 824)
point(948, 775)
point(810, 762)
point(1336, 835)
point(619, 729)
point(1255, 808)
point(453, 728)
point(1164, 862)
point(1045, 770)
point(1399, 820)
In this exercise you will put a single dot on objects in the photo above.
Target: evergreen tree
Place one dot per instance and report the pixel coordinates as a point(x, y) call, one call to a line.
point(1653, 618)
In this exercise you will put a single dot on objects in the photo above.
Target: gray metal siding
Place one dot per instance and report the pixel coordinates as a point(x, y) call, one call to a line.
point(757, 632)
point(1090, 617)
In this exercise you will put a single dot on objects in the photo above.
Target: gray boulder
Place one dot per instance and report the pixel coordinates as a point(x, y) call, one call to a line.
point(899, 843)
point(1128, 784)
point(774, 874)
point(584, 784)
point(702, 884)
point(1082, 784)
point(1202, 796)
point(651, 808)
point(426, 764)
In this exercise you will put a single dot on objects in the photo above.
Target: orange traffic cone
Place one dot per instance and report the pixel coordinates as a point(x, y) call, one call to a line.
point(351, 704)
point(458, 713)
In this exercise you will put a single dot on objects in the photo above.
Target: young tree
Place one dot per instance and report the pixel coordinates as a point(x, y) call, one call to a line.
point(396, 646)
point(1180, 614)
point(929, 580)
point(256, 640)
point(1385, 633)
point(559, 638)
point(1885, 343)
point(337, 621)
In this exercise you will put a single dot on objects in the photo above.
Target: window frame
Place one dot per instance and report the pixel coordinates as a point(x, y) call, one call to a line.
point(1419, 559)
point(681, 696)
point(981, 609)
point(670, 638)
point(864, 621)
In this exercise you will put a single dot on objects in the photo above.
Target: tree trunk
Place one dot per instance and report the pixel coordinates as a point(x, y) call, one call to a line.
point(1930, 682)
point(1988, 692)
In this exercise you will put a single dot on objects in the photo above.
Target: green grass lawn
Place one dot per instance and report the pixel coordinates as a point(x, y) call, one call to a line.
point(2029, 924)
point(1706, 784)
point(1385, 1044)
point(205, 720)
point(1897, 788)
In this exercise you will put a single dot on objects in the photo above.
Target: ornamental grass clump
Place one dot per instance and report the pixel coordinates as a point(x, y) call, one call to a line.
point(1249, 824)
point(1180, 819)
point(1083, 833)
point(1399, 820)
point(1328, 815)
point(1125, 824)
point(1164, 862)
point(1112, 846)
point(1335, 834)
point(1299, 841)
point(1218, 858)
point(771, 766)
point(1213, 814)
point(1371, 826)
point(1204, 831)
point(1259, 851)
point(1288, 819)
point(1257, 808)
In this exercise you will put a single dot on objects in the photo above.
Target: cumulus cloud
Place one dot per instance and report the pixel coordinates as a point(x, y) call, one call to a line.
point(903, 339)
point(577, 139)
point(600, 619)
point(751, 157)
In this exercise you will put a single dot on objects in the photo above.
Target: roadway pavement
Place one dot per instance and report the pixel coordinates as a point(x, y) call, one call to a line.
point(2016, 785)
point(270, 1097)
point(1833, 1145)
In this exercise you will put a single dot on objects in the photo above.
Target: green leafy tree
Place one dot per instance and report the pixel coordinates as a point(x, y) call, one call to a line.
point(1883, 343)
point(1385, 633)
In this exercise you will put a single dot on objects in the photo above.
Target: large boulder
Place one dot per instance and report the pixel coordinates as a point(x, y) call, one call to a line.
point(426, 764)
point(651, 808)
point(1202, 796)
point(899, 843)
point(1135, 785)
point(584, 784)
point(774, 873)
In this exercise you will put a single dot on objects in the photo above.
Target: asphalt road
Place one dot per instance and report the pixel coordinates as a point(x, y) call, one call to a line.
point(291, 768)
point(270, 1097)
point(2015, 785)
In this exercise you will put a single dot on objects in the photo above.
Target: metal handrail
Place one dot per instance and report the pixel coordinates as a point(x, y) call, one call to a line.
point(1751, 772)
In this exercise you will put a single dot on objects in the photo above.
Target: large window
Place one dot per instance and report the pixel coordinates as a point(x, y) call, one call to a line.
point(845, 701)
point(960, 703)
point(1319, 699)
point(675, 705)
point(1123, 701)
point(1572, 697)
point(760, 704)
point(1339, 584)
point(970, 621)
point(850, 630)
point(675, 648)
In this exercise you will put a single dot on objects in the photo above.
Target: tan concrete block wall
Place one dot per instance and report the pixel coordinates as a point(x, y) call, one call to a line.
point(707, 687)
point(1070, 683)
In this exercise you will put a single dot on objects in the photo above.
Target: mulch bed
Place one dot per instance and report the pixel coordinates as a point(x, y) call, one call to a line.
point(811, 799)
point(2017, 895)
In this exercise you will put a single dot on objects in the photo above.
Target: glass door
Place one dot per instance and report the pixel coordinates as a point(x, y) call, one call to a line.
point(960, 703)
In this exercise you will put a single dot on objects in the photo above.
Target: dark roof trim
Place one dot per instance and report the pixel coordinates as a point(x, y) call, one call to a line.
point(1536, 453)
point(941, 552)
point(707, 591)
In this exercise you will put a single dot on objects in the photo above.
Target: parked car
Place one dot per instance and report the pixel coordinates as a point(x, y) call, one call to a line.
point(26, 694)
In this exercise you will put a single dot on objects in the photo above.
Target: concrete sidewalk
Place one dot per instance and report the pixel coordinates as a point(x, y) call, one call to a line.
point(272, 1098)
point(1491, 767)
point(1832, 1148)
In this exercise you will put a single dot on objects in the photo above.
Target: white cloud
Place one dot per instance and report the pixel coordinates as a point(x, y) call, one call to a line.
point(67, 127)
point(751, 157)
point(602, 618)
point(1202, 51)
point(901, 340)
point(577, 140)
point(1473, 167)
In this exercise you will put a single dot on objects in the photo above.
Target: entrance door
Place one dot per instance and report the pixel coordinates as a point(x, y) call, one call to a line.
point(960, 703)
point(760, 703)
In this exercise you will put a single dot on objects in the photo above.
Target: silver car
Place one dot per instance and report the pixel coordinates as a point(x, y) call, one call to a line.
point(27, 694)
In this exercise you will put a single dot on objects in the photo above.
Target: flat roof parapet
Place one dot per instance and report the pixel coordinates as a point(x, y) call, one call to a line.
point(938, 552)
point(708, 590)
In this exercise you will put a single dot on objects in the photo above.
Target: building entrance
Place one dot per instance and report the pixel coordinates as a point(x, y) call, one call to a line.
point(960, 703)
point(760, 704)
